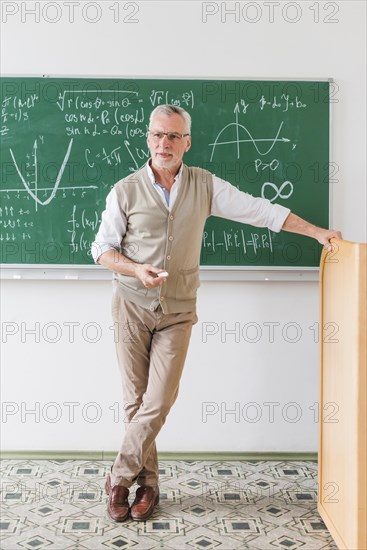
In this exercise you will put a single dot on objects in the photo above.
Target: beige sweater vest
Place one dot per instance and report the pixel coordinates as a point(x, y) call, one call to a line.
point(168, 240)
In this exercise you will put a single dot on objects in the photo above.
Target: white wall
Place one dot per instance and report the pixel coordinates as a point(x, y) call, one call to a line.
point(171, 39)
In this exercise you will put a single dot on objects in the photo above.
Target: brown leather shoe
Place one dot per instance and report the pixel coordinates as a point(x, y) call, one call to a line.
point(146, 498)
point(117, 504)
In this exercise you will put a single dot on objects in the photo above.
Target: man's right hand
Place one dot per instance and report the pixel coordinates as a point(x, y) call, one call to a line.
point(148, 275)
point(118, 263)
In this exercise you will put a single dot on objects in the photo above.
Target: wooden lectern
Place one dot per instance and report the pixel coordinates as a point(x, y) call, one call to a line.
point(343, 409)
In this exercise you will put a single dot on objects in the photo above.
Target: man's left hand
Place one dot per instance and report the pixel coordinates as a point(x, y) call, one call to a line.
point(324, 236)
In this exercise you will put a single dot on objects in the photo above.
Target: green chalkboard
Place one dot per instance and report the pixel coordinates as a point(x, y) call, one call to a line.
point(66, 141)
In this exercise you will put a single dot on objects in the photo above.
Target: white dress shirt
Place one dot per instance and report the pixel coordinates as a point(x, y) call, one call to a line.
point(228, 202)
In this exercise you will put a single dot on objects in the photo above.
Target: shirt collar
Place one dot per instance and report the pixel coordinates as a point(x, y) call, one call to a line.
point(151, 173)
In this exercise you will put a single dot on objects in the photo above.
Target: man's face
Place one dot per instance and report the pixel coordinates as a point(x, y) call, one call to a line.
point(168, 153)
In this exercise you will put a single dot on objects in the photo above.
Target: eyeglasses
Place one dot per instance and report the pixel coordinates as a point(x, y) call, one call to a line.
point(175, 137)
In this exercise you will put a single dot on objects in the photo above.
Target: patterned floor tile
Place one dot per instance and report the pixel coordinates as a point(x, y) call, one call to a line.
point(204, 505)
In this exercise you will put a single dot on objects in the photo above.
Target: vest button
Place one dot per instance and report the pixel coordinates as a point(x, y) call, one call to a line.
point(162, 298)
point(171, 217)
point(168, 257)
point(170, 238)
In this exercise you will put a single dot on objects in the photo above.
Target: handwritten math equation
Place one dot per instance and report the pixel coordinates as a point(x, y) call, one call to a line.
point(241, 241)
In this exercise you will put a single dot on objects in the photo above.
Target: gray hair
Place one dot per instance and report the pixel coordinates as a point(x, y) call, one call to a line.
point(170, 110)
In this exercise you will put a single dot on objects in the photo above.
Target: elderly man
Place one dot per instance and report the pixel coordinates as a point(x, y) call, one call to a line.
point(150, 237)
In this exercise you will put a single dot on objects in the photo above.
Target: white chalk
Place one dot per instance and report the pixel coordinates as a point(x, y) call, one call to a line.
point(162, 274)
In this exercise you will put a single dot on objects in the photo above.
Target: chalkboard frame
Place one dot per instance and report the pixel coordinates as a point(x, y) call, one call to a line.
point(75, 272)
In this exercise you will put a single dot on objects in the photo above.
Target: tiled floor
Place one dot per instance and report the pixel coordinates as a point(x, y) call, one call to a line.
point(61, 505)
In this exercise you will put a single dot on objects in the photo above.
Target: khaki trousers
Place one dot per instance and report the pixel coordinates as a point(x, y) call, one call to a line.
point(151, 350)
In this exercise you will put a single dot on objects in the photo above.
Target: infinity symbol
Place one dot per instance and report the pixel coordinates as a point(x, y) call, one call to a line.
point(278, 192)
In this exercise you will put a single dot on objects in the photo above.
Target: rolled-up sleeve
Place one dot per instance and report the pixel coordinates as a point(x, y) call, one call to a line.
point(233, 204)
point(112, 228)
